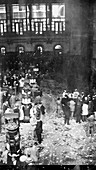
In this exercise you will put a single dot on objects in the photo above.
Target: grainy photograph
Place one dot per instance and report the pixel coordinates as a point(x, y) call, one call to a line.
point(48, 84)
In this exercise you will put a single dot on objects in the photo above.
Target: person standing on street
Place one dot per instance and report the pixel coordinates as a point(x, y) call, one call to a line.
point(85, 109)
point(78, 110)
point(67, 113)
point(72, 107)
point(66, 109)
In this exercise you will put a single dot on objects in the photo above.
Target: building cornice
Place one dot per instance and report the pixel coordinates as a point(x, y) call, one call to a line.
point(29, 1)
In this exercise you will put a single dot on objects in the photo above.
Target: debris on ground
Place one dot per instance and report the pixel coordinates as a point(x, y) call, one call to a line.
point(62, 144)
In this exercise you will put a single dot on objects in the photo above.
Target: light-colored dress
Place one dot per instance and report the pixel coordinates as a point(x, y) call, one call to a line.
point(72, 105)
point(85, 109)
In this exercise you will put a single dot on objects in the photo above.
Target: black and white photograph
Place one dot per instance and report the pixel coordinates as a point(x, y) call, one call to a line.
point(48, 84)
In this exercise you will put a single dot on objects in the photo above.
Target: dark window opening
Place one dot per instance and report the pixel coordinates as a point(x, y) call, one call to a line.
point(21, 49)
point(40, 49)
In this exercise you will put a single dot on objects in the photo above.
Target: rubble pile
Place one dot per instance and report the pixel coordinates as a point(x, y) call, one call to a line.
point(66, 144)
point(26, 135)
point(62, 144)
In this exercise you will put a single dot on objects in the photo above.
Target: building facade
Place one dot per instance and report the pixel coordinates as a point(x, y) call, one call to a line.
point(49, 26)
point(27, 24)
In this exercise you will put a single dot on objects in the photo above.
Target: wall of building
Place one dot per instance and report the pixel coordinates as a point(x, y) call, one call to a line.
point(77, 13)
point(94, 30)
point(75, 43)
point(74, 38)
point(11, 47)
point(93, 44)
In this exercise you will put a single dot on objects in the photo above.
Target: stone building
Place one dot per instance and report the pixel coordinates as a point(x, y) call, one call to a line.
point(59, 29)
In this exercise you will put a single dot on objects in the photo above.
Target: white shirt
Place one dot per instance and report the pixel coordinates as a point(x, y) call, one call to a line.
point(72, 105)
point(75, 94)
point(85, 109)
point(21, 83)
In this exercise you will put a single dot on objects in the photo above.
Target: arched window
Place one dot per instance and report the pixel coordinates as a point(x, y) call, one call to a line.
point(20, 49)
point(58, 49)
point(39, 49)
point(3, 50)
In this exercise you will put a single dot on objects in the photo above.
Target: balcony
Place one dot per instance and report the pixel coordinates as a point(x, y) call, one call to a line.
point(21, 27)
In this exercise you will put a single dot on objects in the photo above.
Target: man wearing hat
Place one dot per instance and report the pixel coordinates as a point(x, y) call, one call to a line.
point(38, 129)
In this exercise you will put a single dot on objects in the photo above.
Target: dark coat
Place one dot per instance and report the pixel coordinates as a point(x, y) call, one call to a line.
point(39, 127)
point(38, 131)
point(90, 108)
point(78, 108)
point(64, 100)
point(42, 110)
point(26, 110)
point(67, 112)
point(94, 105)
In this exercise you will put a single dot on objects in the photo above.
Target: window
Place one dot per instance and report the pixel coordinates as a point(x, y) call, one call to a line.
point(38, 50)
point(20, 22)
point(3, 50)
point(38, 11)
point(58, 18)
point(20, 49)
point(58, 49)
point(38, 21)
point(3, 27)
point(19, 11)
point(58, 11)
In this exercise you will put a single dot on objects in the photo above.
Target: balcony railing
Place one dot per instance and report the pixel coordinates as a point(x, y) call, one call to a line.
point(33, 25)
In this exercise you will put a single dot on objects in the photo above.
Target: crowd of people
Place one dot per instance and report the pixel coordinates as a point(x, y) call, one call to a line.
point(24, 87)
point(21, 93)
point(78, 106)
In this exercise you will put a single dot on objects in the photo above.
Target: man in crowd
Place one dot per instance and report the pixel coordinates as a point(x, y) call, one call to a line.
point(78, 110)
point(66, 109)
